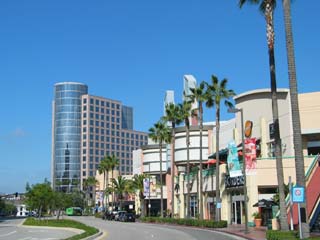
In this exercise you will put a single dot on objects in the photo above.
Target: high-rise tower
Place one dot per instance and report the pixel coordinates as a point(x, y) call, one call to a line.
point(66, 142)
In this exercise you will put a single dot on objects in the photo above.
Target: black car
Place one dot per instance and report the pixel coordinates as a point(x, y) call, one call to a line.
point(127, 217)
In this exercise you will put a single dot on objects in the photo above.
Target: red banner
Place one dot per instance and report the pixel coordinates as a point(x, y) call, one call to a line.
point(250, 156)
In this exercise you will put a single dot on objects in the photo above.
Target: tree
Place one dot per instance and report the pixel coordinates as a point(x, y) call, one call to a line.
point(138, 186)
point(199, 94)
point(160, 133)
point(88, 183)
point(267, 8)
point(217, 92)
point(39, 196)
point(121, 186)
point(113, 162)
point(172, 115)
point(296, 125)
point(185, 113)
point(104, 168)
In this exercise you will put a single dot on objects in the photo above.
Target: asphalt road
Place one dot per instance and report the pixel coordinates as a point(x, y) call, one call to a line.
point(143, 231)
point(12, 229)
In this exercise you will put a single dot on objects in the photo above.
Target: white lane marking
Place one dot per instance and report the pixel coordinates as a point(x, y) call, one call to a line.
point(8, 234)
point(35, 231)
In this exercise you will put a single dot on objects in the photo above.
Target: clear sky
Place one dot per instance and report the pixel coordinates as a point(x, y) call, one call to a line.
point(131, 51)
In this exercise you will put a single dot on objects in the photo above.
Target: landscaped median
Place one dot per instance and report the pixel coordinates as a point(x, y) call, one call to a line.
point(186, 222)
point(65, 223)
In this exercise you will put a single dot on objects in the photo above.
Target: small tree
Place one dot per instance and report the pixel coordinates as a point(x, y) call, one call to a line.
point(39, 196)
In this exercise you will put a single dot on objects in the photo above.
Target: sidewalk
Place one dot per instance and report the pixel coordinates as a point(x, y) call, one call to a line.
point(238, 230)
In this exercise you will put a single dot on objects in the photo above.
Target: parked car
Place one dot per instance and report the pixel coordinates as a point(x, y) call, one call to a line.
point(118, 214)
point(127, 217)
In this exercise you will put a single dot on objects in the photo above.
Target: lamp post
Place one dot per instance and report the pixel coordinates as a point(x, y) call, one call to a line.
point(235, 110)
point(149, 205)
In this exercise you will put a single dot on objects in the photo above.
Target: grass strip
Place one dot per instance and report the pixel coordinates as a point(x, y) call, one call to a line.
point(88, 231)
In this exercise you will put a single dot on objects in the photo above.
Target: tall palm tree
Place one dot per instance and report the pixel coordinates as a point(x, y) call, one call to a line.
point(120, 186)
point(185, 113)
point(113, 162)
point(138, 186)
point(199, 94)
point(297, 140)
point(104, 168)
point(217, 92)
point(172, 115)
point(160, 133)
point(87, 184)
point(267, 8)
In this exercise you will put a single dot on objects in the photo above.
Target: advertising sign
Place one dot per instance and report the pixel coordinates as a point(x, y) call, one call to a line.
point(250, 156)
point(233, 160)
point(146, 187)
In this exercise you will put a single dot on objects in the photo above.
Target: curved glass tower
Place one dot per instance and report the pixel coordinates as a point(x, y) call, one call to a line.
point(67, 135)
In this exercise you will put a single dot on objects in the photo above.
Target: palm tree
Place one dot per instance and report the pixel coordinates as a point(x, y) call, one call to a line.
point(104, 168)
point(172, 115)
point(216, 93)
point(113, 162)
point(160, 133)
point(267, 8)
point(87, 184)
point(138, 186)
point(120, 186)
point(199, 94)
point(185, 113)
point(297, 141)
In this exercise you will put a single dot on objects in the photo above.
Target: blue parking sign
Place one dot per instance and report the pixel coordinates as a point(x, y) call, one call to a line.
point(298, 194)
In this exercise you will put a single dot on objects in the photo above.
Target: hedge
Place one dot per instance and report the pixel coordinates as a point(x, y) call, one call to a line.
point(278, 235)
point(186, 222)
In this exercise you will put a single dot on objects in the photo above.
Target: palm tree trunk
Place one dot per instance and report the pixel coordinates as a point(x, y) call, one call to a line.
point(297, 140)
point(172, 169)
point(107, 186)
point(161, 187)
point(104, 188)
point(188, 173)
point(218, 217)
point(200, 180)
point(275, 113)
point(112, 191)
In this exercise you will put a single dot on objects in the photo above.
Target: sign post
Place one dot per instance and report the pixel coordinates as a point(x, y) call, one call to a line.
point(298, 197)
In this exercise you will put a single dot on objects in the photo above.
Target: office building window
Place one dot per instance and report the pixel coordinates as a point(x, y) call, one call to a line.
point(97, 137)
point(102, 110)
point(83, 173)
point(91, 122)
point(91, 108)
point(84, 115)
point(97, 102)
point(91, 101)
point(84, 159)
point(84, 108)
point(84, 100)
point(102, 138)
point(84, 136)
point(91, 159)
point(91, 115)
point(91, 144)
point(97, 109)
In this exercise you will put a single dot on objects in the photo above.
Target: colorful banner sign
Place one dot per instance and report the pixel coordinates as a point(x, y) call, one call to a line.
point(233, 160)
point(250, 156)
point(146, 187)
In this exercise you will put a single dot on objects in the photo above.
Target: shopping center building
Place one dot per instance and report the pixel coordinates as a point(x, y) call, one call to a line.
point(261, 178)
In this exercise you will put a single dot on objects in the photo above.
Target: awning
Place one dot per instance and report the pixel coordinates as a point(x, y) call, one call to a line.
point(263, 203)
point(213, 161)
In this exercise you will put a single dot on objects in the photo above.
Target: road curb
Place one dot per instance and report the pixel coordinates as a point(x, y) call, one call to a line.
point(94, 236)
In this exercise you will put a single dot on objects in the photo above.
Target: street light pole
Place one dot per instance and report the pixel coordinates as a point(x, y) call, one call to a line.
point(235, 110)
point(149, 205)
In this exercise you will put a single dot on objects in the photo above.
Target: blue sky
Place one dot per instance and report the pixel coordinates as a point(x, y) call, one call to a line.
point(131, 51)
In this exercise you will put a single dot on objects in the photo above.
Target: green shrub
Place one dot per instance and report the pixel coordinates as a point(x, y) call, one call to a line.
point(88, 231)
point(98, 214)
point(186, 222)
point(278, 235)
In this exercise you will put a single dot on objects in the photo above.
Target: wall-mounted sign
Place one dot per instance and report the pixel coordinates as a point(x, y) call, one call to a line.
point(248, 129)
point(233, 181)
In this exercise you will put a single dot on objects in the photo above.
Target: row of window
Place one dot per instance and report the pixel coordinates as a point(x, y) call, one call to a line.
point(107, 138)
point(123, 169)
point(101, 117)
point(103, 152)
point(107, 145)
point(96, 166)
point(102, 110)
point(102, 103)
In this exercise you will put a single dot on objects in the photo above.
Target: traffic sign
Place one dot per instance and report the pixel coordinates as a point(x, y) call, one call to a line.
point(298, 194)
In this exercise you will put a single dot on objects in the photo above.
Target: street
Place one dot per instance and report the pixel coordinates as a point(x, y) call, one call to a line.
point(143, 231)
point(12, 229)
